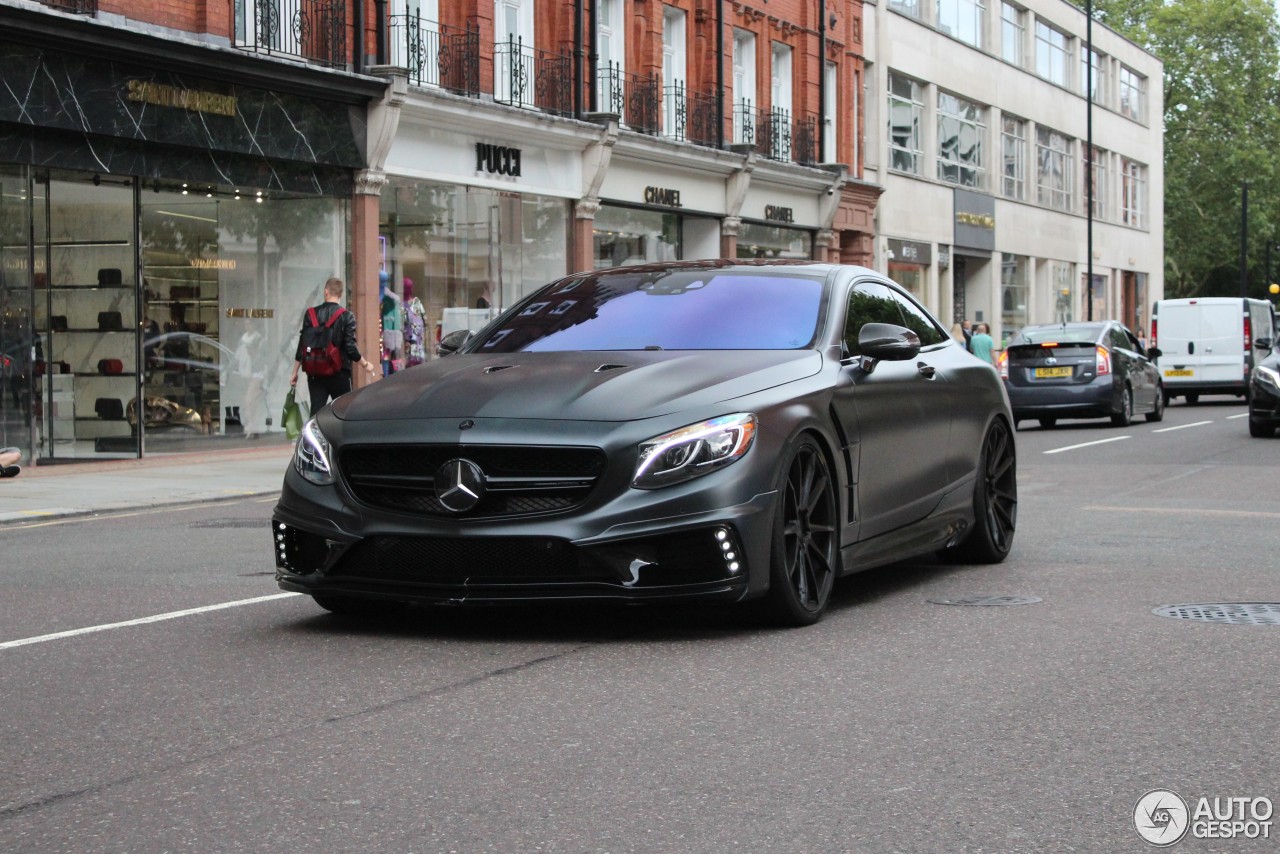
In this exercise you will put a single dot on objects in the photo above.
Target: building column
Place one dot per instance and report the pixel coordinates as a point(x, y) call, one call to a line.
point(364, 294)
point(583, 237)
point(730, 228)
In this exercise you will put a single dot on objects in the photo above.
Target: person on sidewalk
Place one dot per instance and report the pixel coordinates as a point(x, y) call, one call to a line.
point(9, 459)
point(324, 388)
point(982, 345)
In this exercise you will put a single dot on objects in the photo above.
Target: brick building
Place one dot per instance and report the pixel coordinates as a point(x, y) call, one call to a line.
point(179, 179)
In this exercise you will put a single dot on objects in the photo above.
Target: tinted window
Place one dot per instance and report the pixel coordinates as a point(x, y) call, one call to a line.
point(679, 310)
point(1074, 334)
point(875, 303)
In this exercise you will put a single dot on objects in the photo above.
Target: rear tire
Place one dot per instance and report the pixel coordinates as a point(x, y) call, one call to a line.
point(1157, 414)
point(1124, 417)
point(995, 502)
point(1261, 429)
point(803, 566)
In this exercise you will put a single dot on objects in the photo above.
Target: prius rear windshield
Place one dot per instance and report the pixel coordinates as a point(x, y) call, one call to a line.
point(677, 310)
point(1064, 335)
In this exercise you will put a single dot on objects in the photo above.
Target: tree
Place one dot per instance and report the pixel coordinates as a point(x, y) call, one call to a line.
point(1222, 128)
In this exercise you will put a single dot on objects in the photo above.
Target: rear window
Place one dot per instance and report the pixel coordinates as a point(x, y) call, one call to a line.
point(1064, 335)
point(677, 310)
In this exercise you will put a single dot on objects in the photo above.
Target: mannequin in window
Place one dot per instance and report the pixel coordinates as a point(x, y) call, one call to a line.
point(392, 326)
point(415, 327)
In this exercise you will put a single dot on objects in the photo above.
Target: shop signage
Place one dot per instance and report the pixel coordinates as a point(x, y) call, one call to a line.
point(251, 312)
point(910, 252)
point(975, 218)
point(497, 159)
point(777, 213)
point(662, 196)
point(163, 95)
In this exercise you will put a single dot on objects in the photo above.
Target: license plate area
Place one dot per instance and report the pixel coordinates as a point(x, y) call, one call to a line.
point(1179, 372)
point(1054, 373)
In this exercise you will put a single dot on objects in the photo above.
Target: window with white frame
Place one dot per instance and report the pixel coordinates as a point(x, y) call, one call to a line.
point(1133, 193)
point(911, 8)
point(1101, 169)
point(831, 97)
point(1054, 162)
point(1013, 31)
point(1013, 153)
point(1015, 292)
point(1133, 94)
point(513, 61)
point(906, 117)
point(744, 86)
point(1053, 54)
point(1098, 75)
point(963, 19)
point(780, 111)
point(961, 128)
point(414, 33)
point(611, 48)
point(673, 72)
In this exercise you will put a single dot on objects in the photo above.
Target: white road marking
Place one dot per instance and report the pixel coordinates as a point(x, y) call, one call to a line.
point(1187, 511)
point(1182, 426)
point(1234, 417)
point(172, 615)
point(1087, 444)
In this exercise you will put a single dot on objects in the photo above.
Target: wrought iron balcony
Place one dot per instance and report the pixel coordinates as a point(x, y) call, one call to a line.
point(636, 99)
point(525, 77)
point(437, 55)
point(314, 30)
point(77, 7)
point(774, 134)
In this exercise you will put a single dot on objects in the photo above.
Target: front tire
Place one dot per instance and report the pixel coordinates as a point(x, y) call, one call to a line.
point(995, 501)
point(1261, 429)
point(1161, 401)
point(805, 549)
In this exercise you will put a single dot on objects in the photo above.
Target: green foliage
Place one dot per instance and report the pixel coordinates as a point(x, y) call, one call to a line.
point(1222, 125)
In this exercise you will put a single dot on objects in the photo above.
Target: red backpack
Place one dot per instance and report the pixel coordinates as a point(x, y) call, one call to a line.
point(320, 356)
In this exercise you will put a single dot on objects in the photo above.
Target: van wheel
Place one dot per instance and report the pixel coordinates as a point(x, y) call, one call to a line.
point(1161, 401)
point(1124, 417)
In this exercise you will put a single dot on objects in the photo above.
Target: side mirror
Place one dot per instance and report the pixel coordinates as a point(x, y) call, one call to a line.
point(888, 342)
point(453, 342)
point(1263, 344)
point(1154, 353)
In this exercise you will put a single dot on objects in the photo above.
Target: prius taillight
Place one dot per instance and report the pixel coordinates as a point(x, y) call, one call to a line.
point(1103, 360)
point(1002, 363)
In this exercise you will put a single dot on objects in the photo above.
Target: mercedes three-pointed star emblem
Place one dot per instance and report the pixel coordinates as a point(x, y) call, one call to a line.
point(459, 485)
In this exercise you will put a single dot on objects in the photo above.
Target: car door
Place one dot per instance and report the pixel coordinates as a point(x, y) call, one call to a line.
point(1129, 363)
point(897, 415)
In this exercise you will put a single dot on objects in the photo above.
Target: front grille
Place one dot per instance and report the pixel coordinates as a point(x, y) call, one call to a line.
point(519, 480)
point(445, 560)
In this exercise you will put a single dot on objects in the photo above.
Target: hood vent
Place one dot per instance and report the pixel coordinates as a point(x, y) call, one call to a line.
point(493, 369)
point(603, 368)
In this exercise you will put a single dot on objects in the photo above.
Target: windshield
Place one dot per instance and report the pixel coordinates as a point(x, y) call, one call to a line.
point(677, 310)
point(1082, 334)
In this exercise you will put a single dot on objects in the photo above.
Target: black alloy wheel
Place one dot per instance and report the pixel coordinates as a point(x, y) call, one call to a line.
point(1261, 429)
point(995, 502)
point(1124, 417)
point(1157, 413)
point(803, 566)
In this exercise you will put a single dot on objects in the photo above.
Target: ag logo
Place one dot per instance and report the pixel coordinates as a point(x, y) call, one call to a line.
point(1161, 817)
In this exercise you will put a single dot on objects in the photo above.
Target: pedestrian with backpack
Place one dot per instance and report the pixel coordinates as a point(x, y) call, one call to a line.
point(327, 348)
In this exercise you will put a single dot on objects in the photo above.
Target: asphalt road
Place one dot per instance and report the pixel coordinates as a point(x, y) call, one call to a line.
point(894, 725)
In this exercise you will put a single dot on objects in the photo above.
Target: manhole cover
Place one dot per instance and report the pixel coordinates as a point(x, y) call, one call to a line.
point(1235, 613)
point(230, 523)
point(988, 600)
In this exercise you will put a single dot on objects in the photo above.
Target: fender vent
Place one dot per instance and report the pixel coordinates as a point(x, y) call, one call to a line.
point(603, 368)
point(493, 369)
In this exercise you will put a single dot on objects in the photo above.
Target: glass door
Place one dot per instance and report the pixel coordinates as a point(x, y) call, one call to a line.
point(18, 404)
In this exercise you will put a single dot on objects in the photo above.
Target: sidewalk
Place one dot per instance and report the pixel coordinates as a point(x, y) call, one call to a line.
point(73, 489)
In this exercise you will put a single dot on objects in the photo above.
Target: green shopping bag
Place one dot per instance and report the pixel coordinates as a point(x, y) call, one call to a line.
point(291, 418)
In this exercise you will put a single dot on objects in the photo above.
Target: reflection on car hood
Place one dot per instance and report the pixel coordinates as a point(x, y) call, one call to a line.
point(576, 386)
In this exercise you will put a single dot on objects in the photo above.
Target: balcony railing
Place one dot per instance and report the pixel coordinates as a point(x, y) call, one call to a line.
point(77, 7)
point(525, 77)
point(636, 99)
point(314, 30)
point(774, 134)
point(437, 55)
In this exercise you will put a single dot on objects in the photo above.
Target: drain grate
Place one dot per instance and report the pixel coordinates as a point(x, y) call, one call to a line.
point(988, 600)
point(1233, 613)
point(231, 523)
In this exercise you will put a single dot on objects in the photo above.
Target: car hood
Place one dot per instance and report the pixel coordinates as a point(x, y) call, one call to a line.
point(575, 386)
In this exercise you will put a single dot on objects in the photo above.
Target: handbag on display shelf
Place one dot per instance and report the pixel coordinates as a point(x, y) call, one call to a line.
point(110, 321)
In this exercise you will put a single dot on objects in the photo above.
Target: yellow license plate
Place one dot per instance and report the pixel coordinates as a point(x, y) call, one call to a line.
point(1050, 373)
point(1184, 372)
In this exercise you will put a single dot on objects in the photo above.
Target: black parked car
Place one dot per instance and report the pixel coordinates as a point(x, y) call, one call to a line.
point(1264, 397)
point(1095, 369)
point(716, 430)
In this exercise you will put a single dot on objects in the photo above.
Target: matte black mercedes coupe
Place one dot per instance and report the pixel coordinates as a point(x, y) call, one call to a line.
point(717, 430)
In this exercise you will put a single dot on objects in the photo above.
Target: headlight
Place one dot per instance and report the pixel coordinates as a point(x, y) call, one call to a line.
point(311, 456)
point(1267, 375)
point(694, 450)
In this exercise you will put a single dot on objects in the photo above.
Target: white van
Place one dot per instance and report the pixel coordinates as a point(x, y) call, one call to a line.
point(1208, 345)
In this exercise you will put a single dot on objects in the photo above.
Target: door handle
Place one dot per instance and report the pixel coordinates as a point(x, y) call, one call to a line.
point(926, 371)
